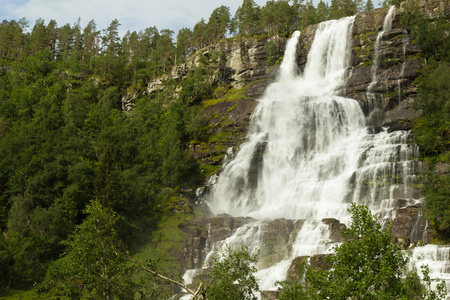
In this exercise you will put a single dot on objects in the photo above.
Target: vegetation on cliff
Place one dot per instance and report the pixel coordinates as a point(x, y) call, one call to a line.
point(432, 128)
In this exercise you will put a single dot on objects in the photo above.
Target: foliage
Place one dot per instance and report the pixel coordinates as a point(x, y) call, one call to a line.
point(432, 128)
point(233, 276)
point(272, 53)
point(367, 265)
point(94, 265)
point(431, 36)
point(437, 192)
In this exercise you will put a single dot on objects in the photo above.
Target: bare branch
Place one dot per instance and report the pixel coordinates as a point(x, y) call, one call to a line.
point(168, 279)
point(164, 277)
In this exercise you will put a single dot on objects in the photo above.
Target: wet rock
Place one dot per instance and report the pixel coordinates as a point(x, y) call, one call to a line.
point(319, 261)
point(223, 227)
point(256, 165)
point(193, 253)
point(402, 241)
point(296, 266)
point(410, 225)
point(275, 241)
point(370, 21)
point(336, 228)
point(269, 295)
point(315, 261)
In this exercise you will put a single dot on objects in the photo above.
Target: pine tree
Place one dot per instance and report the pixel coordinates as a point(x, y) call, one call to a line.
point(369, 5)
point(248, 16)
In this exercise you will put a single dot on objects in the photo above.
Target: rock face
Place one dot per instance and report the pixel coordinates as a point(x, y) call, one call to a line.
point(202, 234)
point(410, 227)
point(246, 59)
point(399, 65)
point(245, 64)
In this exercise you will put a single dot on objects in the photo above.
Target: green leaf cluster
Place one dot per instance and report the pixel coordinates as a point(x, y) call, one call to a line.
point(233, 276)
point(94, 264)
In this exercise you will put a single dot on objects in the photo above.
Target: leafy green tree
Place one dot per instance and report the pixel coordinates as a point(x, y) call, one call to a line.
point(163, 55)
point(342, 8)
point(428, 34)
point(233, 276)
point(38, 38)
point(367, 265)
point(437, 192)
point(322, 11)
point(432, 128)
point(94, 264)
point(272, 52)
point(308, 15)
point(91, 46)
point(199, 34)
point(111, 63)
point(278, 17)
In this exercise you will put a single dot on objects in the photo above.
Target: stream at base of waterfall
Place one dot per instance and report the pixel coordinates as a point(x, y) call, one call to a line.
point(309, 153)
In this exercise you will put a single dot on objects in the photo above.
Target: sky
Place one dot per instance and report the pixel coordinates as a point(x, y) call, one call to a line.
point(133, 15)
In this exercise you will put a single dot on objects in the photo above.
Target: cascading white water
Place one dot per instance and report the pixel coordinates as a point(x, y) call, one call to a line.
point(309, 154)
point(370, 95)
point(437, 258)
point(387, 25)
point(402, 71)
point(306, 135)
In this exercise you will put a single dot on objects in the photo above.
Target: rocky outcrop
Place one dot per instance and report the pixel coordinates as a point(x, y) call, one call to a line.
point(245, 63)
point(246, 59)
point(202, 234)
point(410, 227)
point(398, 65)
point(432, 8)
point(335, 228)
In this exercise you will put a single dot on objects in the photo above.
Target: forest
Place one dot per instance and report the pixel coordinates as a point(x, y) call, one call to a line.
point(77, 171)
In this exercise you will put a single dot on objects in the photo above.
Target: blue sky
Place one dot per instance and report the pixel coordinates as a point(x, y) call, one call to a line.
point(133, 15)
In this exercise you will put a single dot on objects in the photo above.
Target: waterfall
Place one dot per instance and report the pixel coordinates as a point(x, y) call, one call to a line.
point(304, 136)
point(402, 71)
point(387, 25)
point(437, 258)
point(307, 155)
point(370, 95)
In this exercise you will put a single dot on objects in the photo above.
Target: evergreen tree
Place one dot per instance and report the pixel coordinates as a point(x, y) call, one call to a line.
point(199, 34)
point(218, 24)
point(184, 44)
point(322, 11)
point(369, 5)
point(247, 17)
